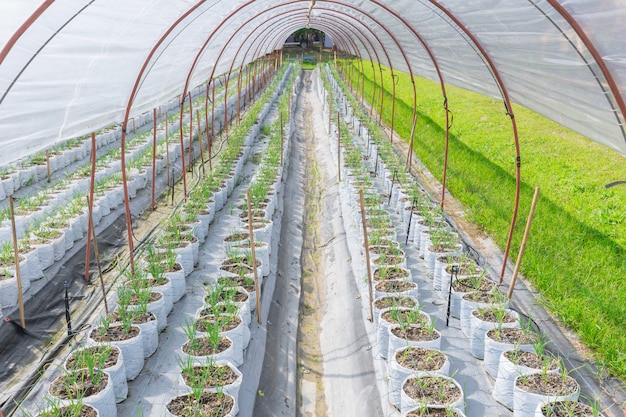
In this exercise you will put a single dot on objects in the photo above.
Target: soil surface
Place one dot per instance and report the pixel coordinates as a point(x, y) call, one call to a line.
point(65, 387)
point(209, 376)
point(208, 405)
point(202, 346)
point(512, 336)
point(386, 302)
point(434, 390)
point(415, 333)
point(421, 359)
point(547, 384)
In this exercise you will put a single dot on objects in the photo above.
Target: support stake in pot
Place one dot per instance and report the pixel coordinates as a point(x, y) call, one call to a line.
point(18, 275)
point(393, 182)
point(338, 147)
point(408, 229)
point(167, 149)
point(330, 110)
point(90, 206)
point(154, 150)
point(454, 275)
point(97, 253)
point(367, 256)
point(524, 240)
point(257, 288)
point(49, 176)
point(200, 144)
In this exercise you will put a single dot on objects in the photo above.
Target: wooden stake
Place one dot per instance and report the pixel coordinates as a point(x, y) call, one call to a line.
point(154, 150)
point(524, 240)
point(239, 97)
point(49, 169)
point(18, 275)
point(281, 138)
point(200, 143)
point(367, 255)
point(212, 117)
point(90, 206)
point(167, 148)
point(257, 288)
point(338, 147)
point(330, 110)
point(95, 248)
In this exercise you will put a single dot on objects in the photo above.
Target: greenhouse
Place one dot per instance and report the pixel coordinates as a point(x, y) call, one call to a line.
point(312, 208)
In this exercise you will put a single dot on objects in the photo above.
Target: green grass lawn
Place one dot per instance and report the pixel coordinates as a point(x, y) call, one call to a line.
point(576, 254)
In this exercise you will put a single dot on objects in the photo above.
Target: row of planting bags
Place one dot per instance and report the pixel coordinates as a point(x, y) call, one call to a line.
point(231, 294)
point(512, 355)
point(131, 352)
point(51, 230)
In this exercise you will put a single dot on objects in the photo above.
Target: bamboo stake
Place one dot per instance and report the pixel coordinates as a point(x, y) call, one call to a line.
point(97, 253)
point(49, 169)
point(338, 147)
point(281, 138)
point(167, 149)
point(206, 114)
point(210, 156)
point(524, 240)
point(367, 255)
point(257, 289)
point(90, 206)
point(18, 275)
point(226, 130)
point(154, 150)
point(200, 143)
point(330, 110)
point(239, 97)
point(182, 147)
point(212, 115)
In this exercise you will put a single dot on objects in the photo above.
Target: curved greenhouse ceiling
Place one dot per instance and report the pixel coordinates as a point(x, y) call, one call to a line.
point(68, 67)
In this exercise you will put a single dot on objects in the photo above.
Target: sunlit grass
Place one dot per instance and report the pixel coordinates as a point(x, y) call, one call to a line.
point(576, 252)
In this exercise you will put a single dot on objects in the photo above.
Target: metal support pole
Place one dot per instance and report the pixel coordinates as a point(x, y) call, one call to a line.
point(393, 181)
point(453, 276)
point(68, 317)
point(190, 165)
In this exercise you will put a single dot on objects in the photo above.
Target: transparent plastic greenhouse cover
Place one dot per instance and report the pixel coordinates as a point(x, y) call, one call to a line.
point(68, 67)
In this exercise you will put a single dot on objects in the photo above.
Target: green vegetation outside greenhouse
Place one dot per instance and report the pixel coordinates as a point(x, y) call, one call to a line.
point(576, 253)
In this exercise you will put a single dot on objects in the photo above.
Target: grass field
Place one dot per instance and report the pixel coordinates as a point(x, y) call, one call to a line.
point(576, 253)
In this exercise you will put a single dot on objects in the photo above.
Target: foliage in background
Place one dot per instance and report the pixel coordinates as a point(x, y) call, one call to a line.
point(576, 252)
